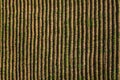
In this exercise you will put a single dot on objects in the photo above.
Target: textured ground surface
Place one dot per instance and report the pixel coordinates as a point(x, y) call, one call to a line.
point(60, 40)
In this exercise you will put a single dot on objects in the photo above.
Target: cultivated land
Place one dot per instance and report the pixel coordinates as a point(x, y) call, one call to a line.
point(60, 39)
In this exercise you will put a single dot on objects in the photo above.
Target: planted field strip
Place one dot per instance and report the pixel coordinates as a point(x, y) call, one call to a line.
point(59, 40)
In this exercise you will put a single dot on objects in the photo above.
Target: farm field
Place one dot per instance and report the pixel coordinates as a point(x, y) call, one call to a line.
point(59, 39)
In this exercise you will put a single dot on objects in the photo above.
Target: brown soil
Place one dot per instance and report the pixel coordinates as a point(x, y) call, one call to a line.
point(60, 39)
